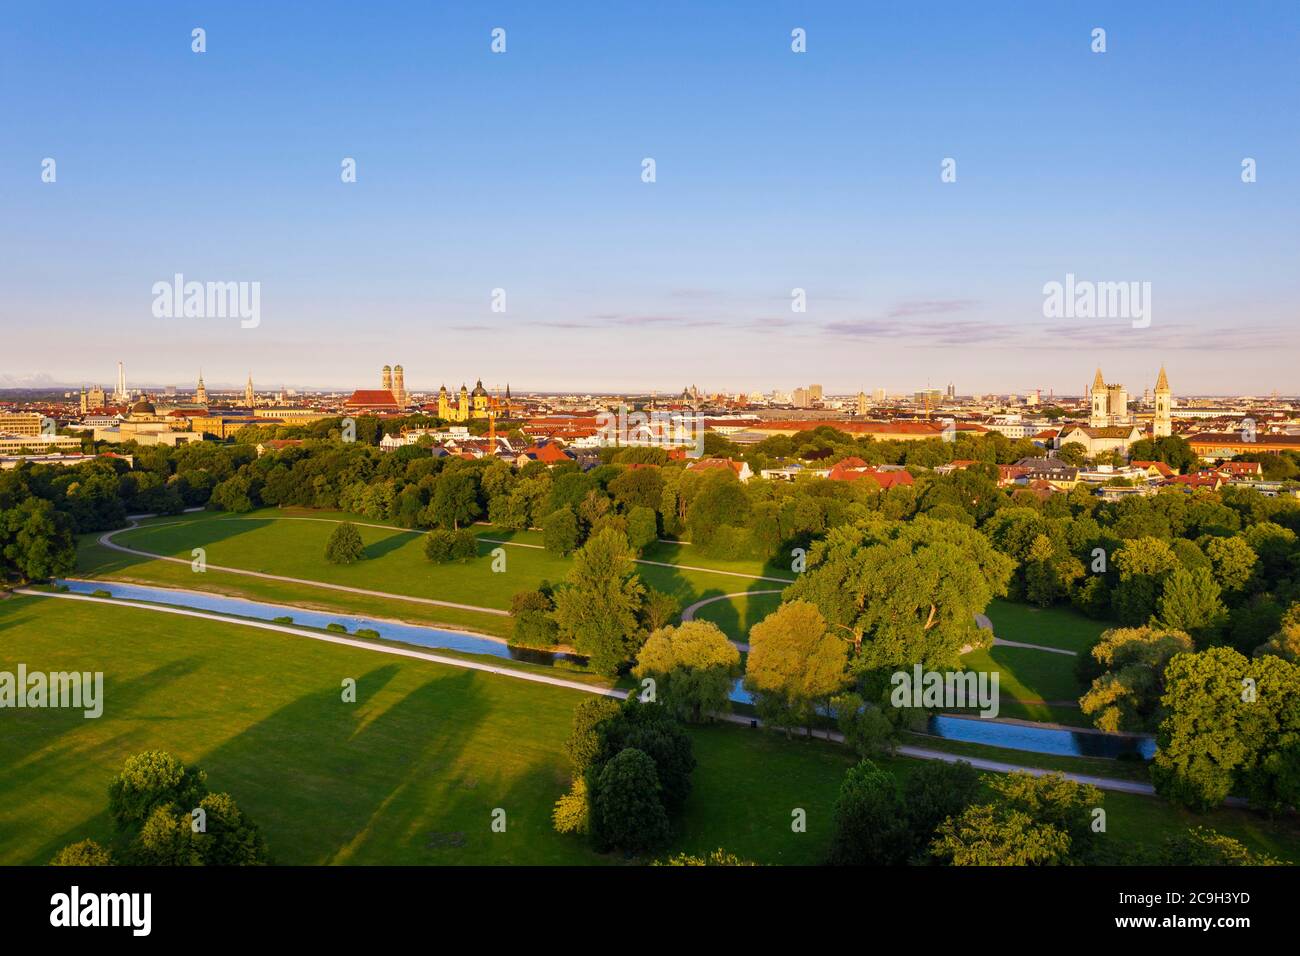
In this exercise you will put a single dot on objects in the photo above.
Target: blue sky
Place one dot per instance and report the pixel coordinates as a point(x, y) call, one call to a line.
point(775, 170)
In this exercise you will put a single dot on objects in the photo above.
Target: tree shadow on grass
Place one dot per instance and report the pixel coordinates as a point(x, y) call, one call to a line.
point(329, 780)
point(388, 545)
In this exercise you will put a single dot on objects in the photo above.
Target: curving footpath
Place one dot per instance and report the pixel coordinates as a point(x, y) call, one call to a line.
point(1105, 783)
point(106, 539)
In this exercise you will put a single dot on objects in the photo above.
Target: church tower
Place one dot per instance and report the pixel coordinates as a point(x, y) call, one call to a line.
point(462, 407)
point(248, 391)
point(1099, 409)
point(399, 386)
point(201, 392)
point(386, 378)
point(1163, 426)
point(444, 405)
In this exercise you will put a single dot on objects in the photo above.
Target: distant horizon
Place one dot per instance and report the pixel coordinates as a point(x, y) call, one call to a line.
point(154, 387)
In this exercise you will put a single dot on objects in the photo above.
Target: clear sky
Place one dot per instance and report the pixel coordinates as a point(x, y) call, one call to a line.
point(775, 171)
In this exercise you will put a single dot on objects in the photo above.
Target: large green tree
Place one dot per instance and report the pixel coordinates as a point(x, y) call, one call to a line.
point(693, 666)
point(794, 665)
point(904, 593)
point(597, 609)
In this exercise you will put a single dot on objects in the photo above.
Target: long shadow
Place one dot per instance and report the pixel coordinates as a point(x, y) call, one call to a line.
point(327, 779)
point(388, 544)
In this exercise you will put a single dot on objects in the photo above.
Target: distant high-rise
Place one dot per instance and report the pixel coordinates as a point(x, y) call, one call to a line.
point(880, 395)
point(814, 393)
point(862, 402)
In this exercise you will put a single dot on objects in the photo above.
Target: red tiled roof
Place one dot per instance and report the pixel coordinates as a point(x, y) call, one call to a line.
point(549, 453)
point(371, 397)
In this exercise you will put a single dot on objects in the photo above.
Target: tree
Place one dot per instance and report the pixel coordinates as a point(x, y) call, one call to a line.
point(718, 857)
point(1233, 561)
point(149, 780)
point(345, 545)
point(1233, 724)
point(693, 666)
point(455, 500)
point(442, 546)
point(597, 609)
point(83, 853)
point(234, 494)
point(869, 827)
point(230, 838)
point(1058, 801)
point(627, 813)
point(572, 813)
point(1202, 846)
point(583, 743)
point(794, 664)
point(991, 835)
point(36, 541)
point(1143, 564)
point(1126, 695)
point(533, 626)
point(560, 531)
point(166, 839)
point(904, 593)
point(1189, 601)
point(654, 731)
point(638, 488)
point(642, 527)
point(1286, 642)
point(932, 792)
point(1073, 453)
point(1033, 821)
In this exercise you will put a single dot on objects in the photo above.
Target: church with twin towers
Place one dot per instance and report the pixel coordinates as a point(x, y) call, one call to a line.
point(1110, 405)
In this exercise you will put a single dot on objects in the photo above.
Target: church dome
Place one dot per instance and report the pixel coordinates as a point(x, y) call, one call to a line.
point(479, 390)
point(143, 407)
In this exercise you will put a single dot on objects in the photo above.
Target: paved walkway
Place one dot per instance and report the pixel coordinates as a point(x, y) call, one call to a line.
point(1105, 783)
point(106, 539)
point(388, 527)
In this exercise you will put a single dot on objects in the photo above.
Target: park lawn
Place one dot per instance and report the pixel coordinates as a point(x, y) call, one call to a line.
point(410, 774)
point(676, 552)
point(96, 562)
point(293, 545)
point(1026, 678)
point(738, 614)
point(1061, 627)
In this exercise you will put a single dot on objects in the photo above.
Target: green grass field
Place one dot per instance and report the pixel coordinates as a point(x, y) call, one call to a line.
point(292, 544)
point(411, 773)
point(1061, 627)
